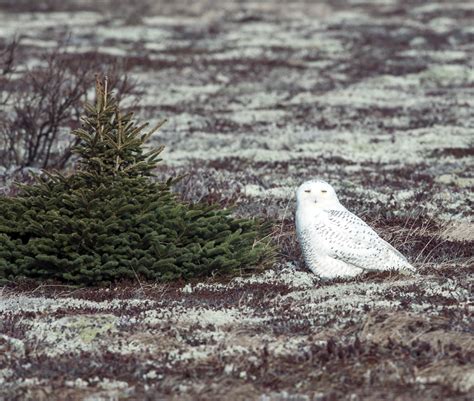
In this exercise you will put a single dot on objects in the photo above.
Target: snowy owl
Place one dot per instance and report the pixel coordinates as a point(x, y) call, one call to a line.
point(335, 242)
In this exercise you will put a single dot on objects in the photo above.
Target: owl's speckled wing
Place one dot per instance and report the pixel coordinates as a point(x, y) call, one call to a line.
point(351, 240)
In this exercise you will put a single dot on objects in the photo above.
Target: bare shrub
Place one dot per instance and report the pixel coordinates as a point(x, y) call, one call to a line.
point(47, 100)
point(7, 61)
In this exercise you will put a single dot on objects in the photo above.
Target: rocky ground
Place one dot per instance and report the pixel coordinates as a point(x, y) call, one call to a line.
point(374, 96)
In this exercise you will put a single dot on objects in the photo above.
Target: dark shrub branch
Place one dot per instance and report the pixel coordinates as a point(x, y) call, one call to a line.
point(48, 101)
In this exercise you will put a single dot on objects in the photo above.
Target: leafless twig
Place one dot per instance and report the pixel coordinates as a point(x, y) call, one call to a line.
point(49, 100)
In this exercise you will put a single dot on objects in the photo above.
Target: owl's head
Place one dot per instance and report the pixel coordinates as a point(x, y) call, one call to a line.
point(317, 193)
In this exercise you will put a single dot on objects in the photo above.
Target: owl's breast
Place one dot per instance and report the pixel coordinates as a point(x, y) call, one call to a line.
point(312, 236)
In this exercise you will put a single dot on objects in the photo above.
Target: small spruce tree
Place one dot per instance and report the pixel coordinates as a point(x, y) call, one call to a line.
point(111, 220)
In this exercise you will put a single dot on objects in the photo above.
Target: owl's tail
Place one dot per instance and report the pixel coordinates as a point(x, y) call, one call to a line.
point(407, 268)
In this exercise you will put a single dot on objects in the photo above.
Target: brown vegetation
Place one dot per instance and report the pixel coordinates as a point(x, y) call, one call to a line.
point(48, 99)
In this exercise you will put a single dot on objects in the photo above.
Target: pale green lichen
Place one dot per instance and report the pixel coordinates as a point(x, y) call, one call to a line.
point(72, 333)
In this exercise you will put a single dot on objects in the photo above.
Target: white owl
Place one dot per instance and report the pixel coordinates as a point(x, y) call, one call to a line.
point(335, 242)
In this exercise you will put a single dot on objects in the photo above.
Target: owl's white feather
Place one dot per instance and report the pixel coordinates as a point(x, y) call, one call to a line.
point(337, 243)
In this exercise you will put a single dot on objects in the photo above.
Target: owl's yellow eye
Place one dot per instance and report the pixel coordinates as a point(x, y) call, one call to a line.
point(323, 191)
point(307, 190)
